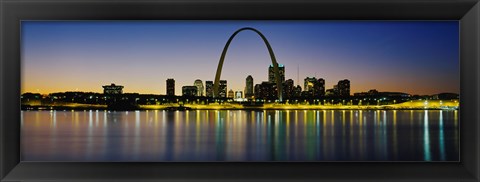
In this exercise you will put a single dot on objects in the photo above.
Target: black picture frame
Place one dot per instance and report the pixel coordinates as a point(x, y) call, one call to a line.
point(13, 11)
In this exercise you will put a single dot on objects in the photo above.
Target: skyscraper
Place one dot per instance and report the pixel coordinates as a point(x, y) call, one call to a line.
point(319, 88)
point(288, 89)
point(230, 94)
point(271, 73)
point(314, 88)
point(309, 83)
point(209, 88)
point(249, 87)
point(222, 89)
point(343, 88)
point(297, 91)
point(170, 87)
point(258, 91)
point(199, 84)
point(335, 90)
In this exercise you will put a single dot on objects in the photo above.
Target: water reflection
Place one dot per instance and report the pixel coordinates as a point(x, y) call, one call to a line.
point(276, 135)
point(441, 138)
point(426, 139)
point(394, 143)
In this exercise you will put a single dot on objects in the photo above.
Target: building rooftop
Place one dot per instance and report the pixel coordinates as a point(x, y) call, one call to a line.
point(279, 65)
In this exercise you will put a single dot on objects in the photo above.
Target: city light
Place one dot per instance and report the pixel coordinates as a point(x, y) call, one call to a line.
point(276, 93)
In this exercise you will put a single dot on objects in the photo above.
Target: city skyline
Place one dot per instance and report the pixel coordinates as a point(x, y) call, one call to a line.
point(128, 57)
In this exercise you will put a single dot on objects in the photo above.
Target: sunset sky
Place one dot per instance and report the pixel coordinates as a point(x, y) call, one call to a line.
point(416, 57)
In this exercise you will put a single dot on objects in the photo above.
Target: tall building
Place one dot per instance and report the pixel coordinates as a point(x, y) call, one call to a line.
point(112, 89)
point(238, 94)
point(265, 90)
point(209, 88)
point(319, 88)
point(313, 87)
point(297, 92)
point(288, 89)
point(249, 87)
point(170, 87)
point(230, 94)
point(343, 88)
point(222, 89)
point(199, 84)
point(189, 91)
point(257, 92)
point(335, 90)
point(271, 73)
point(309, 83)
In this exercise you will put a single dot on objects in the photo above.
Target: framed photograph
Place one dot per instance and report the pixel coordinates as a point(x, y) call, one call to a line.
point(218, 90)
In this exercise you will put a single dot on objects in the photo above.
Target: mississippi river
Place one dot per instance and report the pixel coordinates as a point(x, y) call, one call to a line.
point(240, 135)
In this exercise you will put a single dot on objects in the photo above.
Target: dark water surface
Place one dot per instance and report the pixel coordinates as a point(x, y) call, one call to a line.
point(272, 135)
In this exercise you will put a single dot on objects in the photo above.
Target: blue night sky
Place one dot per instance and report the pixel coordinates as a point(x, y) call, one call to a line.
point(417, 57)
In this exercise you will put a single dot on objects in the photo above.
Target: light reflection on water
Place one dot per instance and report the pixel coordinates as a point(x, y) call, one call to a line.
point(426, 138)
point(268, 135)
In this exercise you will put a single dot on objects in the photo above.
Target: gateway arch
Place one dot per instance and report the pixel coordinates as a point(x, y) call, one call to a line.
point(270, 51)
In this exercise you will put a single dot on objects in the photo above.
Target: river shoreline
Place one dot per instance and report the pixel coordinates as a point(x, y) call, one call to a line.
point(181, 108)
